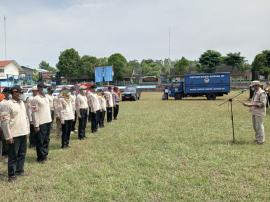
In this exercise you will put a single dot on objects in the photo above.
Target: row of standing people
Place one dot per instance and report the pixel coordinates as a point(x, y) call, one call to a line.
point(35, 117)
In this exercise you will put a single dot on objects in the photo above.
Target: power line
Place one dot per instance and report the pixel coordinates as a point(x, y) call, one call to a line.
point(5, 36)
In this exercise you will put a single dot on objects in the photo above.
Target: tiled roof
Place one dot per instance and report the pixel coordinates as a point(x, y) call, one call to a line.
point(4, 63)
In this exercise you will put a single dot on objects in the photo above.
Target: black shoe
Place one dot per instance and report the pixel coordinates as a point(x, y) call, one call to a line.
point(40, 160)
point(20, 173)
point(12, 178)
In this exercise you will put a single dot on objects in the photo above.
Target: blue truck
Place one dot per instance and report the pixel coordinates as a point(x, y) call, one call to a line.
point(209, 85)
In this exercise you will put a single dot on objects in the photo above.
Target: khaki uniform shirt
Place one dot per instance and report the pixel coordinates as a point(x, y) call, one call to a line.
point(259, 98)
point(56, 107)
point(50, 98)
point(16, 122)
point(66, 112)
point(41, 110)
point(81, 103)
point(29, 108)
point(102, 103)
point(4, 118)
point(93, 102)
point(115, 99)
point(109, 99)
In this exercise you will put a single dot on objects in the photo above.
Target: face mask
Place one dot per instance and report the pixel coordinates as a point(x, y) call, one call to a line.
point(44, 91)
point(9, 96)
point(21, 96)
point(84, 91)
point(252, 88)
point(65, 91)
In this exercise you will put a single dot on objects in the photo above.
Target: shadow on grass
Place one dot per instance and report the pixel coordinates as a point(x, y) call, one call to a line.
point(196, 99)
point(230, 142)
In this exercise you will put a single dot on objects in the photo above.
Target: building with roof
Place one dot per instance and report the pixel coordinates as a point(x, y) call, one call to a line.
point(10, 72)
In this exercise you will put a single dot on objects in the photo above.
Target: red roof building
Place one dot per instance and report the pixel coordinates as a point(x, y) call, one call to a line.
point(4, 63)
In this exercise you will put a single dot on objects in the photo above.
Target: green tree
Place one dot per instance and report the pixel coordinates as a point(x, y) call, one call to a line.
point(168, 65)
point(181, 67)
point(261, 63)
point(135, 66)
point(235, 60)
point(150, 68)
point(88, 64)
point(69, 63)
point(35, 76)
point(102, 62)
point(45, 65)
point(119, 64)
point(245, 67)
point(209, 60)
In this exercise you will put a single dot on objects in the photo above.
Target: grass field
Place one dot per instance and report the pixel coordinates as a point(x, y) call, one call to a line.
point(156, 151)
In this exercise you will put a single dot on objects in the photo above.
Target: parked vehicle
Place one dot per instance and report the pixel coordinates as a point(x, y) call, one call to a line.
point(209, 85)
point(131, 93)
point(27, 92)
point(58, 89)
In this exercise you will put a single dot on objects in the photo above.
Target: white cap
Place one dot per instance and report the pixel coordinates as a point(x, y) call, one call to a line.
point(34, 88)
point(255, 83)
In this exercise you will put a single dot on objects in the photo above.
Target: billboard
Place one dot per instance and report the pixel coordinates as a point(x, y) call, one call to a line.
point(104, 73)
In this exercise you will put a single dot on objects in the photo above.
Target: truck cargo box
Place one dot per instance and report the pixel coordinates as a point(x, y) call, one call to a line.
point(207, 83)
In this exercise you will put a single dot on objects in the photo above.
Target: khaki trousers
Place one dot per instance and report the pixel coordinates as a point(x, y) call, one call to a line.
point(258, 127)
point(58, 127)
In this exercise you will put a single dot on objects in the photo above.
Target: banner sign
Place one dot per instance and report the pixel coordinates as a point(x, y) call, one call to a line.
point(103, 74)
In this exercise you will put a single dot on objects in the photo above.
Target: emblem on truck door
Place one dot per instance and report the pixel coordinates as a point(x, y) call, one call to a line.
point(206, 80)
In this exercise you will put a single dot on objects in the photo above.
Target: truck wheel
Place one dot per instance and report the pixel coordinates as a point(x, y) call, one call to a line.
point(211, 97)
point(178, 96)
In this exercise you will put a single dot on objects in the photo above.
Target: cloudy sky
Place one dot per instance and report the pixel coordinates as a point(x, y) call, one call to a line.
point(40, 29)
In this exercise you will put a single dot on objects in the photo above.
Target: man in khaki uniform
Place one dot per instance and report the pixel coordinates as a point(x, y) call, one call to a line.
point(4, 103)
point(57, 115)
point(2, 97)
point(73, 98)
point(258, 109)
point(103, 109)
point(81, 109)
point(32, 142)
point(15, 127)
point(116, 100)
point(94, 107)
point(50, 98)
point(42, 122)
point(109, 103)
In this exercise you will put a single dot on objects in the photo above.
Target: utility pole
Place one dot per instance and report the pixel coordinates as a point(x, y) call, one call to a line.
point(169, 42)
point(170, 65)
point(5, 36)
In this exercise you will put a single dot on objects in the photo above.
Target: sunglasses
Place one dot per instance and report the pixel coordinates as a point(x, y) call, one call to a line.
point(15, 91)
